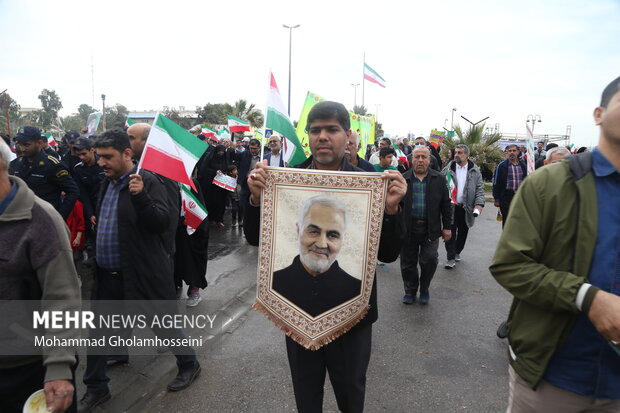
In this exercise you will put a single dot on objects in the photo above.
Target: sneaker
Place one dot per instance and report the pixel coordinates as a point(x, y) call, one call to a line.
point(240, 222)
point(193, 300)
point(450, 264)
point(92, 399)
point(457, 257)
point(424, 297)
point(234, 224)
point(409, 299)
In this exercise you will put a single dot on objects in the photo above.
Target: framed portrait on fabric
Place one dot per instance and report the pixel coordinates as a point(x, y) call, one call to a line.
point(319, 240)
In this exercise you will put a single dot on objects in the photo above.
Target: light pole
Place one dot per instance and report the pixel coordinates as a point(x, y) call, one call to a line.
point(103, 100)
point(452, 122)
point(377, 112)
point(533, 119)
point(290, 48)
point(355, 85)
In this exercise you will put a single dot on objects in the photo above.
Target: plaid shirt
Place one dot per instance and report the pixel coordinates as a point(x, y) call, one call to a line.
point(419, 198)
point(108, 241)
point(515, 176)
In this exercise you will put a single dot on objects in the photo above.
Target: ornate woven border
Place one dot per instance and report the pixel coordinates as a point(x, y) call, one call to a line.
point(312, 333)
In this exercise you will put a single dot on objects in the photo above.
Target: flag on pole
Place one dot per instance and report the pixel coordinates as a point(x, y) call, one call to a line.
point(208, 132)
point(531, 165)
point(223, 133)
point(194, 211)
point(372, 76)
point(129, 122)
point(401, 156)
point(452, 189)
point(237, 125)
point(171, 151)
point(278, 120)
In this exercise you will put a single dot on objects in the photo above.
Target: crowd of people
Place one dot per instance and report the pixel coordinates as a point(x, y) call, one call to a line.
point(558, 253)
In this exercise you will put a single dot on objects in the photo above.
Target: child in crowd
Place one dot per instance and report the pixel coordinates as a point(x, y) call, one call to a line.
point(233, 197)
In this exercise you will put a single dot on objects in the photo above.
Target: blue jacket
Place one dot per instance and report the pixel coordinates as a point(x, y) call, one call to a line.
point(267, 157)
point(501, 175)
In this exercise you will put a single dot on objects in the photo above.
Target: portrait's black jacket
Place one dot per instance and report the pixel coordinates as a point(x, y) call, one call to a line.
point(389, 244)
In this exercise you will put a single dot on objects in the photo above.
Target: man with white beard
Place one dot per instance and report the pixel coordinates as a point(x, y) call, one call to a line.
point(314, 281)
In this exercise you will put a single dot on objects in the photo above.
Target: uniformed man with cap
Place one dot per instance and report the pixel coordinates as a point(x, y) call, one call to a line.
point(68, 156)
point(43, 173)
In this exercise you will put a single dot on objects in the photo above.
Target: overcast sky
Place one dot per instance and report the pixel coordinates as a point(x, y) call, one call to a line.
point(502, 59)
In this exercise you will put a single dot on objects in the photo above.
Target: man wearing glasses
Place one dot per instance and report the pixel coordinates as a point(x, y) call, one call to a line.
point(275, 158)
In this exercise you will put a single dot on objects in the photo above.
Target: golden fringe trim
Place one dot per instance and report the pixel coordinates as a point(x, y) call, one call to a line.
point(303, 341)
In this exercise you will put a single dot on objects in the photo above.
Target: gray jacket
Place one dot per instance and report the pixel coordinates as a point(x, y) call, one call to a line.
point(474, 189)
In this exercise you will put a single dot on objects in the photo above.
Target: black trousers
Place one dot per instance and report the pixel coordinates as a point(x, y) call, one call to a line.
point(504, 204)
point(459, 233)
point(418, 248)
point(345, 359)
point(18, 383)
point(95, 376)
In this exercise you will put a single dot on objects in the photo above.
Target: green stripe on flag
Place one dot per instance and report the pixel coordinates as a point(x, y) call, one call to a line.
point(281, 124)
point(231, 117)
point(188, 191)
point(194, 146)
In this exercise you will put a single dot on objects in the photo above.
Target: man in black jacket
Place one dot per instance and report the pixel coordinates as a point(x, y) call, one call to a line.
point(346, 358)
point(427, 216)
point(508, 177)
point(134, 261)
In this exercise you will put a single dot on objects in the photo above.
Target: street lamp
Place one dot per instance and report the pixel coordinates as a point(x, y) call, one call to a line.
point(103, 100)
point(290, 43)
point(533, 119)
point(355, 85)
point(452, 122)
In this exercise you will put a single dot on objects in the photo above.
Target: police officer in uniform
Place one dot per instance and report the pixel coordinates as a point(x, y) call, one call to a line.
point(68, 156)
point(43, 173)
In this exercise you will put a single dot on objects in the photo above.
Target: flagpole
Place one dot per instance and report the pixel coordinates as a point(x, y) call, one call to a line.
point(262, 144)
point(363, 78)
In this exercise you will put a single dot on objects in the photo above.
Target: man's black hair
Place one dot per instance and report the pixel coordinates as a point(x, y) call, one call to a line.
point(610, 91)
point(386, 151)
point(255, 142)
point(388, 140)
point(551, 146)
point(113, 138)
point(330, 110)
point(582, 149)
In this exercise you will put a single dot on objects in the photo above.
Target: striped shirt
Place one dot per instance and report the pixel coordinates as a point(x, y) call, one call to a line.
point(515, 176)
point(108, 240)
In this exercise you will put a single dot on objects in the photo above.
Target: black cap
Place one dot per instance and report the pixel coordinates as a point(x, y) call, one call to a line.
point(28, 133)
point(71, 136)
point(83, 143)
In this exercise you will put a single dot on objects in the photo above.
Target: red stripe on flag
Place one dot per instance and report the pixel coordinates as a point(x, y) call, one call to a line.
point(273, 83)
point(191, 220)
point(373, 80)
point(241, 128)
point(163, 164)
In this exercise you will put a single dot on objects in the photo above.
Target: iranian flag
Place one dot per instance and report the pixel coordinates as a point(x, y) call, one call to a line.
point(129, 122)
point(278, 120)
point(401, 155)
point(50, 140)
point(208, 132)
point(372, 76)
point(452, 189)
point(171, 151)
point(237, 125)
point(194, 211)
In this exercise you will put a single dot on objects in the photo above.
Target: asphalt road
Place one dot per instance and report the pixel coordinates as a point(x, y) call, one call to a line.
point(443, 357)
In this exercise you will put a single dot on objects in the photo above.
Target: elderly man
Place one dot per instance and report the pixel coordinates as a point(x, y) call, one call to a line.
point(353, 147)
point(314, 281)
point(44, 174)
point(134, 258)
point(556, 155)
point(508, 177)
point(559, 257)
point(427, 216)
point(346, 358)
point(275, 157)
point(467, 202)
point(36, 264)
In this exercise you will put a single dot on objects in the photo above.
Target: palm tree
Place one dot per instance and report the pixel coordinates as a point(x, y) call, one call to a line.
point(248, 113)
point(483, 150)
